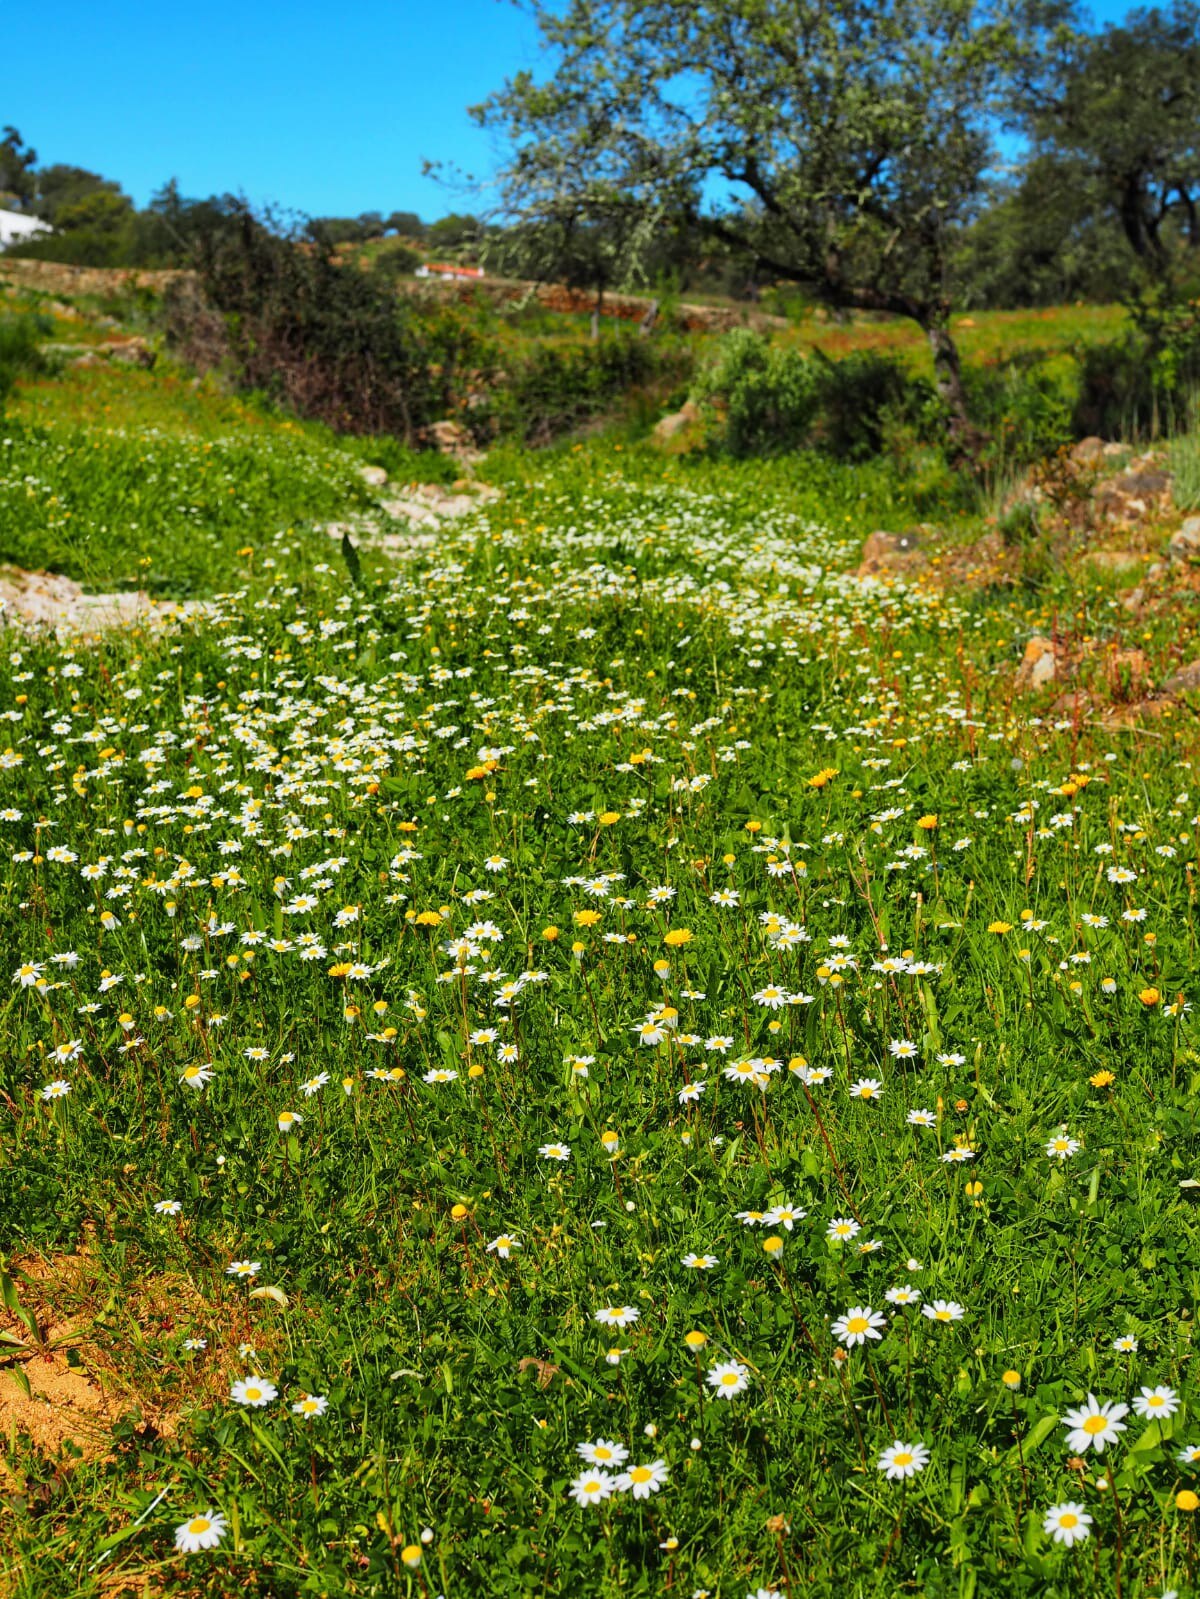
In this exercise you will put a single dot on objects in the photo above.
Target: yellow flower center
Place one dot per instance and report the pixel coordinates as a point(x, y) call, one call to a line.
point(902, 1459)
point(253, 1393)
point(199, 1524)
point(1095, 1424)
point(1068, 1519)
point(857, 1324)
point(641, 1474)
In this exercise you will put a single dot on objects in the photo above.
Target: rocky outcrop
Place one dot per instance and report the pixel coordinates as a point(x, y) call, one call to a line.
point(675, 423)
point(892, 555)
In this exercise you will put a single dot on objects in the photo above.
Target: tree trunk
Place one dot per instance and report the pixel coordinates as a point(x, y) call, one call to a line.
point(965, 438)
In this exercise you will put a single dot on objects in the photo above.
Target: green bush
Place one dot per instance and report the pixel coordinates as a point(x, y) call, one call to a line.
point(1026, 406)
point(763, 396)
point(327, 341)
point(20, 349)
point(764, 399)
point(555, 389)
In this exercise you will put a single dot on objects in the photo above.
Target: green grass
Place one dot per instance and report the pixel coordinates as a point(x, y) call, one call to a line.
point(485, 763)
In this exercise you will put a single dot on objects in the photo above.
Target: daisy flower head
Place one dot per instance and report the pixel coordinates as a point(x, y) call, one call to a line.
point(253, 1391)
point(900, 1460)
point(592, 1487)
point(642, 1481)
point(604, 1452)
point(1154, 1402)
point(700, 1262)
point(1126, 1344)
point(866, 1088)
point(842, 1229)
point(310, 1406)
point(785, 1216)
point(167, 1207)
point(858, 1324)
point(902, 1049)
point(243, 1268)
point(1067, 1524)
point(204, 1531)
point(904, 1295)
point(921, 1118)
point(617, 1315)
point(944, 1310)
point(728, 1378)
point(1094, 1425)
point(1062, 1146)
point(503, 1245)
point(555, 1151)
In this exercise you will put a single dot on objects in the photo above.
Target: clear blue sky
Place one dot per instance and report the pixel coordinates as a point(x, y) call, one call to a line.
point(323, 108)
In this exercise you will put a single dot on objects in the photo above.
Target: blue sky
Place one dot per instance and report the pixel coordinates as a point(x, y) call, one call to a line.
point(322, 108)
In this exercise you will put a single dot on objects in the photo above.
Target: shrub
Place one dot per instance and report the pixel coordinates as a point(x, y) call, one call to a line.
point(1026, 406)
point(330, 342)
point(764, 396)
point(20, 349)
point(765, 399)
point(556, 389)
point(864, 398)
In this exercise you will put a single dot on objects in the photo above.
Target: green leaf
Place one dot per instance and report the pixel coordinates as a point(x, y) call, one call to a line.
point(350, 556)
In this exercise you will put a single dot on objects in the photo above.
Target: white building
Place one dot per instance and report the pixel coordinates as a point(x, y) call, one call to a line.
point(15, 226)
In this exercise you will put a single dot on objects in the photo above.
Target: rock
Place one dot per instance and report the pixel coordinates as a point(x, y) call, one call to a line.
point(1142, 485)
point(1039, 665)
point(373, 476)
point(50, 600)
point(892, 554)
point(129, 352)
point(1185, 541)
point(428, 504)
point(1112, 451)
point(1130, 667)
point(1158, 570)
point(1133, 600)
point(1185, 680)
point(1088, 452)
point(675, 423)
point(452, 439)
point(1113, 560)
point(88, 358)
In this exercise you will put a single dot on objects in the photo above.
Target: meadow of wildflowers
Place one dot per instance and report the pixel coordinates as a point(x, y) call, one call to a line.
point(609, 1055)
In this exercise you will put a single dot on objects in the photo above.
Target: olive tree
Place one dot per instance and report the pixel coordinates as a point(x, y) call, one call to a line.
point(839, 143)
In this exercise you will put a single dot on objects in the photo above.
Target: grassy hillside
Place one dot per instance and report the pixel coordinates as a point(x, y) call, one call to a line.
point(587, 1048)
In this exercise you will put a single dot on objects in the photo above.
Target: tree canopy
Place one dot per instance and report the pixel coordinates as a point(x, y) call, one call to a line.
point(851, 137)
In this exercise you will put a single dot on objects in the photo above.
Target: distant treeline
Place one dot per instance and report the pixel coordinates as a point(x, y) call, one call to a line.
point(1044, 238)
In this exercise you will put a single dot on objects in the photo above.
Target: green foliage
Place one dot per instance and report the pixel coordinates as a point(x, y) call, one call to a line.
point(1185, 463)
point(21, 355)
point(326, 340)
point(764, 398)
point(1027, 404)
point(554, 389)
point(163, 514)
point(767, 394)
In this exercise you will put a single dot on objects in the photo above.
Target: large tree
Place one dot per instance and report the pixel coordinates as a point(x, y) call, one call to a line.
point(1124, 118)
point(840, 143)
